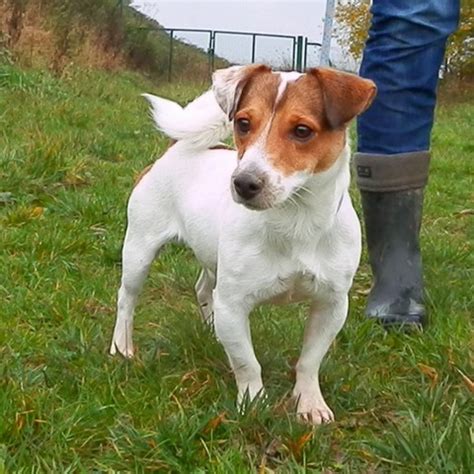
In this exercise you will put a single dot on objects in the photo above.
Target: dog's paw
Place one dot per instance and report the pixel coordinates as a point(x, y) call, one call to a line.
point(125, 349)
point(312, 409)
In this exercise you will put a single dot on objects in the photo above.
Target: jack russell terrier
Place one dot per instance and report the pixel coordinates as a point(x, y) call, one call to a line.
point(271, 221)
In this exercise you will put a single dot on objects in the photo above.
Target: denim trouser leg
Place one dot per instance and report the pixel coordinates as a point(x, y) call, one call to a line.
point(402, 56)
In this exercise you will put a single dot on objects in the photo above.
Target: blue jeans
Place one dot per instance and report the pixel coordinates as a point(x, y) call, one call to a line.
point(403, 55)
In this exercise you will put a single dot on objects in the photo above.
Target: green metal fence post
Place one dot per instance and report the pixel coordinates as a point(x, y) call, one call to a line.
point(299, 54)
point(254, 37)
point(210, 52)
point(213, 58)
point(305, 53)
point(170, 60)
point(293, 55)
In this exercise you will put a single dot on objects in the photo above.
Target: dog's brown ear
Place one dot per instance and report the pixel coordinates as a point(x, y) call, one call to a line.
point(345, 95)
point(228, 84)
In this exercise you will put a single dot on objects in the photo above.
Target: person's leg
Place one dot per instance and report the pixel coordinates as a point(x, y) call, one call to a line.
point(402, 56)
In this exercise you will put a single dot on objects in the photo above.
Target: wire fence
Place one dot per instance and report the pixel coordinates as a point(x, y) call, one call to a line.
point(287, 52)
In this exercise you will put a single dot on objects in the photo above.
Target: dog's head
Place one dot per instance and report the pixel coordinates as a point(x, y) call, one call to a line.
point(287, 126)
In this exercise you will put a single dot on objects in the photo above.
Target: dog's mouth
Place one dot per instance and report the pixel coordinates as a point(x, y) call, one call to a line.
point(255, 204)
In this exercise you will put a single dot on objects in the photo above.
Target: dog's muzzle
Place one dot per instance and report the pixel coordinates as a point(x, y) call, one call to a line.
point(247, 186)
point(252, 189)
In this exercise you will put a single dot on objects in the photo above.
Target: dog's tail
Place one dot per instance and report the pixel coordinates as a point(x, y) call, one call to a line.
point(201, 124)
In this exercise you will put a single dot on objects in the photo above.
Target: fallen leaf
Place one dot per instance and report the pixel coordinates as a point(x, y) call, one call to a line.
point(430, 372)
point(215, 422)
point(37, 211)
point(297, 446)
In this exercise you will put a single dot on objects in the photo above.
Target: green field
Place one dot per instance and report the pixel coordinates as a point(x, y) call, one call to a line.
point(69, 151)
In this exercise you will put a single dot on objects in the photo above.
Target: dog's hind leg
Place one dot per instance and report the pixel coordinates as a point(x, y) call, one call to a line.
point(204, 288)
point(139, 251)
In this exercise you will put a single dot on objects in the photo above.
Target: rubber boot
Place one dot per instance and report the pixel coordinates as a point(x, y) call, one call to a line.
point(392, 201)
point(392, 223)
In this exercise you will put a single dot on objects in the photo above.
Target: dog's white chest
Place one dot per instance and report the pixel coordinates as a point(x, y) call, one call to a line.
point(295, 287)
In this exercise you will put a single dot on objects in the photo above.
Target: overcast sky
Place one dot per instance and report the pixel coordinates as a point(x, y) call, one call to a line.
point(296, 17)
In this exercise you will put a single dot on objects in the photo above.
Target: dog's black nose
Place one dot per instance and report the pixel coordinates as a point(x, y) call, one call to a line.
point(247, 186)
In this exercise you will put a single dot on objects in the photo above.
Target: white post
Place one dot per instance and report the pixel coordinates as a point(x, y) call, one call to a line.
point(327, 32)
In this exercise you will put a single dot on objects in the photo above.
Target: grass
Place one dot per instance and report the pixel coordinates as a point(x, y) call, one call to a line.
point(60, 35)
point(69, 151)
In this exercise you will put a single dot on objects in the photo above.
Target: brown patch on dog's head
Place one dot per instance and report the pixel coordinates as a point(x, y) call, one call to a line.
point(286, 125)
point(256, 106)
point(302, 107)
point(320, 103)
point(345, 95)
point(229, 84)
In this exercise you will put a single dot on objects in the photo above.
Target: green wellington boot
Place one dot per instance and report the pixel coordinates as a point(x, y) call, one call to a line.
point(392, 200)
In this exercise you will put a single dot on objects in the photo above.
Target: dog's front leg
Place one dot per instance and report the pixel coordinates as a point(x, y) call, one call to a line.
point(324, 322)
point(233, 331)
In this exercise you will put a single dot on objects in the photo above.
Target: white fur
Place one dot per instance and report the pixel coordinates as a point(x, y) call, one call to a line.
point(201, 124)
point(306, 247)
point(285, 79)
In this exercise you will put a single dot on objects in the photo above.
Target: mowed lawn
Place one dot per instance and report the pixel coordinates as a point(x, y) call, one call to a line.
point(69, 151)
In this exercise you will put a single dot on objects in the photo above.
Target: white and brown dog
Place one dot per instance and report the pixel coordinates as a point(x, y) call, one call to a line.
point(269, 222)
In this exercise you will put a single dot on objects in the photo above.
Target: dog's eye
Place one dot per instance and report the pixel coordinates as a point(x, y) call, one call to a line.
point(243, 125)
point(302, 132)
